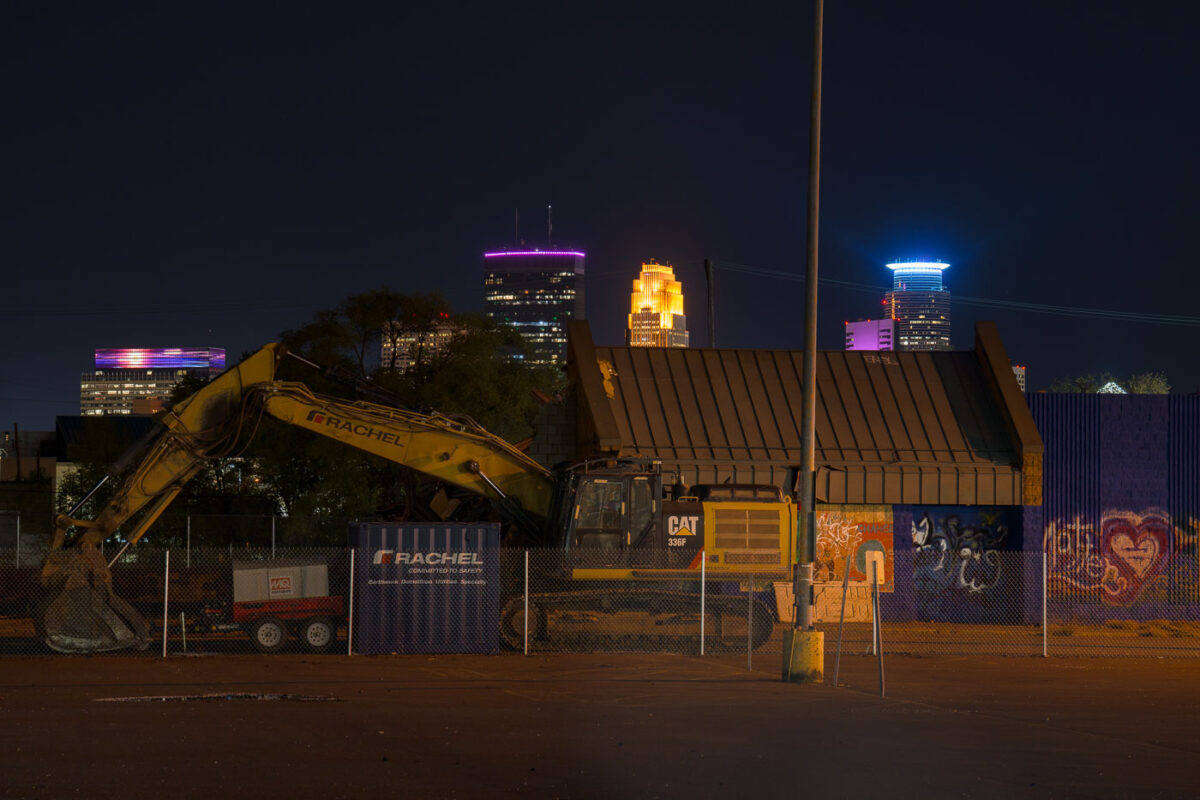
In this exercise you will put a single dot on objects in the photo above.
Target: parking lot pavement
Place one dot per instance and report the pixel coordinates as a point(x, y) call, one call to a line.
point(587, 726)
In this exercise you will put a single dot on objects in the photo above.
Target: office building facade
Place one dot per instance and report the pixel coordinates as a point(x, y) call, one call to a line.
point(139, 381)
point(656, 317)
point(537, 292)
point(920, 305)
point(403, 345)
point(871, 334)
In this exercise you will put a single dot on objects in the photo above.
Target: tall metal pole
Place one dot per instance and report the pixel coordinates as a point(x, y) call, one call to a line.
point(807, 477)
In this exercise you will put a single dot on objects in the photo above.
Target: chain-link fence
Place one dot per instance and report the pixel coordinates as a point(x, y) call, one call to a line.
point(238, 599)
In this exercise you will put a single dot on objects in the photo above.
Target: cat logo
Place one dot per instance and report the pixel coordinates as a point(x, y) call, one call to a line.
point(682, 526)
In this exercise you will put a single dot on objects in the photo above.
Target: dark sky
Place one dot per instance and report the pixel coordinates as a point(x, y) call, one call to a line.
point(191, 174)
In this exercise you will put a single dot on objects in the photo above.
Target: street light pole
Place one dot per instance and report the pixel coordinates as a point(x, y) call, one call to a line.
point(804, 655)
point(809, 409)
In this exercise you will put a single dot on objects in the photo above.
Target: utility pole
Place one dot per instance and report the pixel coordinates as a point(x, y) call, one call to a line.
point(804, 654)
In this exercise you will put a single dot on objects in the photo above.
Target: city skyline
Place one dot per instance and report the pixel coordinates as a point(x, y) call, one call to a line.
point(197, 177)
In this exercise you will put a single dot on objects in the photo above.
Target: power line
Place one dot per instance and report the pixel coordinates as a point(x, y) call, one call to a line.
point(983, 302)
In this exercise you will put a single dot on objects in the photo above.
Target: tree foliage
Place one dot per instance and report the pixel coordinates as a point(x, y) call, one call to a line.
point(480, 372)
point(1148, 383)
point(1142, 383)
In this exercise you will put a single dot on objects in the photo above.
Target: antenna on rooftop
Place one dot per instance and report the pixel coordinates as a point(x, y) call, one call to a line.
point(549, 225)
point(516, 226)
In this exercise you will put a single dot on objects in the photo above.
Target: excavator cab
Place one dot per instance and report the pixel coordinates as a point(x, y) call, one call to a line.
point(615, 515)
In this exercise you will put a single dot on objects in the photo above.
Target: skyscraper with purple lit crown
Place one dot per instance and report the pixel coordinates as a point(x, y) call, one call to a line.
point(536, 292)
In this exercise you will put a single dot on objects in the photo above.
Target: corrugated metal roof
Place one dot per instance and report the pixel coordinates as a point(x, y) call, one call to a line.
point(892, 427)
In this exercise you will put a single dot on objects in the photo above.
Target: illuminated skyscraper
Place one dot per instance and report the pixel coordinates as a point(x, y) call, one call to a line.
point(537, 292)
point(656, 309)
point(130, 380)
point(920, 305)
point(871, 334)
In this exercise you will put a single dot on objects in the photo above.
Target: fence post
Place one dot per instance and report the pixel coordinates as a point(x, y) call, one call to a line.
point(189, 540)
point(18, 539)
point(272, 536)
point(837, 659)
point(874, 624)
point(527, 602)
point(750, 627)
point(166, 596)
point(350, 613)
point(703, 576)
point(878, 642)
point(1045, 630)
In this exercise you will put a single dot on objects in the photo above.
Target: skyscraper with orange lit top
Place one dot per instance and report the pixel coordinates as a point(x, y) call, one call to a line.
point(656, 316)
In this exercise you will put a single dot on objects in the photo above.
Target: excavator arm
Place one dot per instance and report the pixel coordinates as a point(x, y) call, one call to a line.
point(209, 424)
point(455, 451)
point(81, 612)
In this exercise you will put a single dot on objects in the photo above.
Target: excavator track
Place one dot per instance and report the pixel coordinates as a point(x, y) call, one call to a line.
point(634, 619)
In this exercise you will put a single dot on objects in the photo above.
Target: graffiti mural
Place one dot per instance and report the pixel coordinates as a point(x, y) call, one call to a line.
point(1126, 559)
point(849, 530)
point(958, 555)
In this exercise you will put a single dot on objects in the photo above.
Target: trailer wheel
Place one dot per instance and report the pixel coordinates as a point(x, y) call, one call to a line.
point(318, 634)
point(268, 635)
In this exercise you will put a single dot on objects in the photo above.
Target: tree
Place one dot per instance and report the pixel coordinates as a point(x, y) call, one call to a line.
point(480, 372)
point(1148, 383)
point(351, 334)
point(1142, 383)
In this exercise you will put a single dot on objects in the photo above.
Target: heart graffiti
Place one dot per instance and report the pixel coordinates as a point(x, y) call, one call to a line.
point(1128, 554)
point(1140, 556)
point(1137, 547)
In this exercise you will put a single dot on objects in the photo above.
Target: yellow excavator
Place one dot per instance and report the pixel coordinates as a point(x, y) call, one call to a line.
point(612, 521)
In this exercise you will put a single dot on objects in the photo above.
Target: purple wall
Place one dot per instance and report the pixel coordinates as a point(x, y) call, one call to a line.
point(1121, 503)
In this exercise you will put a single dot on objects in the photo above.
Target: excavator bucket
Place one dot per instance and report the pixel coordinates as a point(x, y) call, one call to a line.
point(79, 612)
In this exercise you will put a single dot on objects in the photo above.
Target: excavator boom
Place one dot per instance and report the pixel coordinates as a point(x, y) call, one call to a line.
point(81, 614)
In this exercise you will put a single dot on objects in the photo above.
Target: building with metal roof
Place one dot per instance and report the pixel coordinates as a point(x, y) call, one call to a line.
point(917, 428)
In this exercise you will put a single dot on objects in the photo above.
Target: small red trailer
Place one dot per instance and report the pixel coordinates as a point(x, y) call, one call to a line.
point(272, 599)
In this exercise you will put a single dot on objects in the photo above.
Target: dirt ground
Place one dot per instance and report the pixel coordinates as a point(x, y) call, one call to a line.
point(594, 726)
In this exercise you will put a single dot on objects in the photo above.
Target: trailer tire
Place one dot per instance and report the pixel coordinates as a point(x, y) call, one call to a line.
point(318, 634)
point(268, 635)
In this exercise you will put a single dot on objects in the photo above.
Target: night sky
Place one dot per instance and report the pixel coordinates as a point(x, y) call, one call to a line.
point(196, 174)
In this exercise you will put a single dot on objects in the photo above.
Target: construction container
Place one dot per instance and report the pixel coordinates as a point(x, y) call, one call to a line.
point(421, 588)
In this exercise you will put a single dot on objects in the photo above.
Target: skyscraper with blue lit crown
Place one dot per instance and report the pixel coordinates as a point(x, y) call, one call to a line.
point(920, 305)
